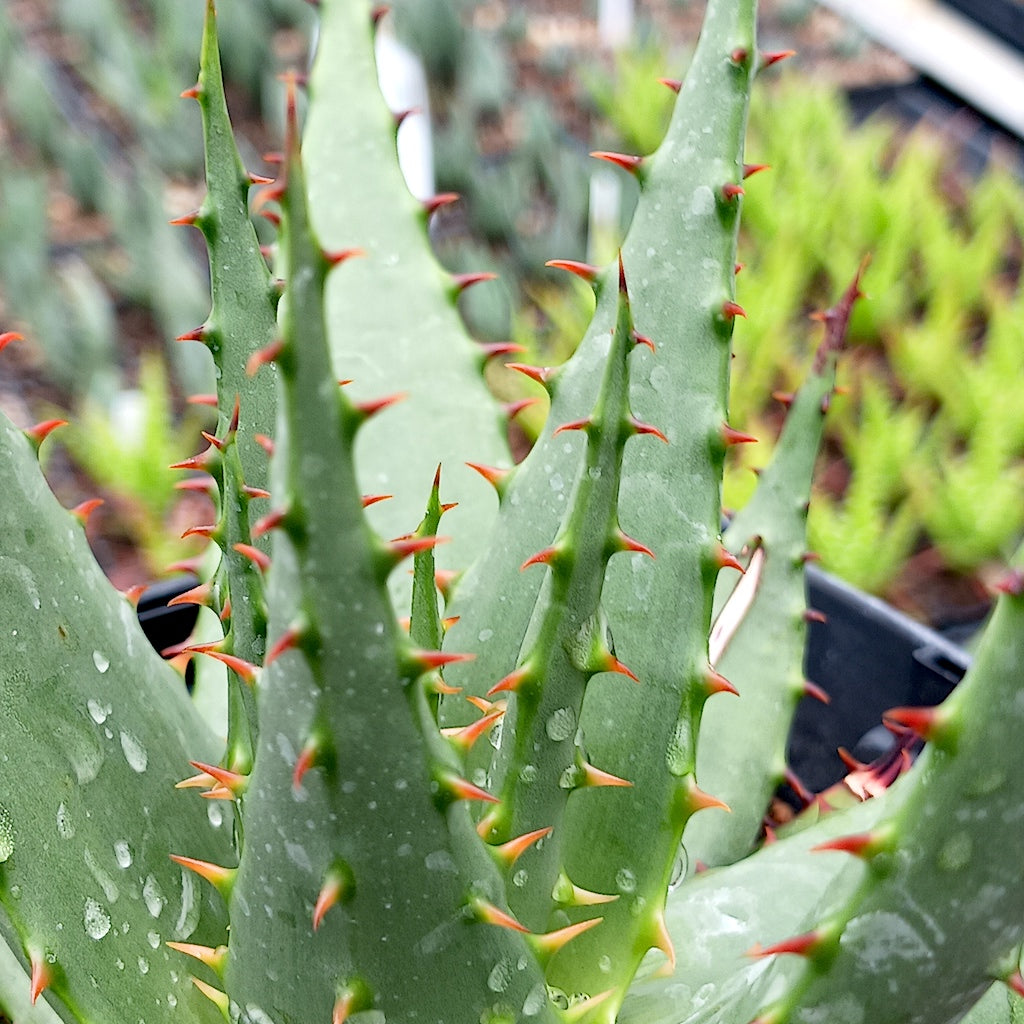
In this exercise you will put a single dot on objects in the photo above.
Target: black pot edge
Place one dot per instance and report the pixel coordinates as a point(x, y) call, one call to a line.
point(866, 655)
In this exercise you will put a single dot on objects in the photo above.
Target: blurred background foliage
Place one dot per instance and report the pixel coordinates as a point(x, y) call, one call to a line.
point(925, 450)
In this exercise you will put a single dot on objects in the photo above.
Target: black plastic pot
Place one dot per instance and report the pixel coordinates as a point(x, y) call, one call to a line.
point(866, 656)
point(1003, 18)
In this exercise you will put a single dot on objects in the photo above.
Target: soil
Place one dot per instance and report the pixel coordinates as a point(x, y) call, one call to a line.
point(827, 49)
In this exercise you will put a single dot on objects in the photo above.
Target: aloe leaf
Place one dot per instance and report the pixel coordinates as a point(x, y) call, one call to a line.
point(415, 345)
point(94, 725)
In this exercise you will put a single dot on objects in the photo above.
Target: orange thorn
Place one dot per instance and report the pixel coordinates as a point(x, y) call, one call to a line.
point(186, 220)
point(40, 431)
point(7, 337)
point(627, 162)
point(230, 780)
point(434, 203)
point(541, 374)
point(595, 777)
point(246, 670)
point(731, 310)
point(337, 256)
point(731, 190)
point(672, 83)
point(270, 521)
point(863, 845)
point(508, 853)
point(262, 356)
point(462, 789)
point(372, 499)
point(573, 425)
point(546, 557)
point(768, 59)
point(464, 281)
point(1015, 982)
point(402, 547)
point(513, 409)
point(551, 942)
point(84, 509)
point(623, 542)
point(587, 271)
point(465, 736)
point(927, 723)
point(726, 560)
point(221, 878)
point(215, 959)
point(375, 405)
point(287, 641)
point(201, 595)
point(801, 945)
point(488, 913)
point(264, 442)
point(199, 333)
point(663, 941)
point(645, 428)
point(642, 339)
point(444, 580)
point(511, 682)
point(330, 894)
point(258, 558)
point(41, 978)
point(731, 436)
point(715, 682)
point(813, 615)
point(698, 800)
point(495, 476)
point(751, 169)
point(815, 691)
point(218, 998)
point(193, 92)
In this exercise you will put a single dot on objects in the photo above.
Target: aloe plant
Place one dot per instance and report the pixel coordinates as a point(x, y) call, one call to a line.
point(492, 811)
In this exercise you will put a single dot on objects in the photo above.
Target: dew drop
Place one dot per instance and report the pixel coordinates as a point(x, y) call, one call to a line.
point(500, 976)
point(528, 774)
point(143, 965)
point(123, 853)
point(153, 938)
point(154, 897)
point(6, 834)
point(97, 711)
point(561, 724)
point(484, 635)
point(520, 878)
point(625, 880)
point(215, 815)
point(65, 826)
point(97, 920)
point(134, 752)
point(101, 661)
point(604, 964)
point(536, 1000)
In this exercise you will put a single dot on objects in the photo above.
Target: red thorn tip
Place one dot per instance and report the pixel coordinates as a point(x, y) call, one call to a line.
point(541, 374)
point(923, 722)
point(626, 543)
point(434, 203)
point(639, 427)
point(7, 337)
point(801, 945)
point(196, 334)
point(465, 736)
point(186, 220)
point(715, 682)
point(859, 845)
point(573, 425)
point(587, 271)
point(464, 281)
point(1012, 583)
point(376, 405)
point(726, 560)
point(264, 442)
point(287, 641)
point(624, 160)
point(259, 179)
point(730, 436)
point(213, 440)
point(337, 256)
point(612, 664)
point(513, 409)
point(427, 661)
point(215, 959)
point(262, 356)
point(444, 580)
point(84, 509)
point(492, 474)
point(494, 349)
point(372, 499)
point(511, 682)
point(739, 55)
point(231, 780)
point(40, 431)
point(198, 484)
point(813, 615)
point(784, 397)
point(329, 896)
point(642, 339)
point(1016, 982)
point(270, 521)
point(402, 547)
point(731, 310)
point(132, 594)
point(463, 789)
point(305, 761)
point(795, 783)
point(768, 59)
point(672, 83)
point(246, 670)
point(200, 531)
point(511, 851)
point(40, 978)
point(751, 169)
point(201, 595)
point(815, 691)
point(193, 92)
point(258, 558)
point(737, 267)
point(545, 557)
point(255, 492)
point(731, 190)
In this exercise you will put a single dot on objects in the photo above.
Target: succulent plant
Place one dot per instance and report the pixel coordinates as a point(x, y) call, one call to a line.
point(482, 816)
